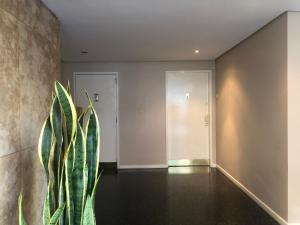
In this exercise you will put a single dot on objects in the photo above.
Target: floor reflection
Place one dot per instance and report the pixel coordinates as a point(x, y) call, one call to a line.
point(174, 196)
point(189, 170)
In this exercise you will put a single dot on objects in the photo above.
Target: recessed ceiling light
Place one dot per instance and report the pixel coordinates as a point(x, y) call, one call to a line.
point(197, 51)
point(84, 52)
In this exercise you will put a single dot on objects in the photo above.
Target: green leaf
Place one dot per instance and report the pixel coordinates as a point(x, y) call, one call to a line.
point(56, 123)
point(86, 110)
point(56, 120)
point(68, 108)
point(70, 159)
point(88, 215)
point(83, 114)
point(89, 99)
point(93, 196)
point(46, 210)
point(62, 198)
point(92, 149)
point(21, 214)
point(51, 182)
point(69, 88)
point(79, 175)
point(69, 163)
point(54, 219)
point(44, 146)
point(53, 96)
point(86, 176)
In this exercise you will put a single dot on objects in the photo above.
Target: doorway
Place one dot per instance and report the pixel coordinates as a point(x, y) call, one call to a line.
point(188, 123)
point(102, 89)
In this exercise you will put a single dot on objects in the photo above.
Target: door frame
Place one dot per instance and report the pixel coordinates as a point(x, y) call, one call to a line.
point(210, 109)
point(116, 75)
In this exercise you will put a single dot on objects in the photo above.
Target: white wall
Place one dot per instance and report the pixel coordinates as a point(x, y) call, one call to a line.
point(142, 105)
point(294, 117)
point(251, 85)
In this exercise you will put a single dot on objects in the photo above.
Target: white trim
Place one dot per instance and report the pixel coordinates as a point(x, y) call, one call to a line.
point(158, 166)
point(263, 205)
point(210, 99)
point(116, 74)
point(211, 116)
point(213, 165)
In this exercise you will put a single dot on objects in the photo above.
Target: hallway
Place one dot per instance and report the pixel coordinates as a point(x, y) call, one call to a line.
point(177, 196)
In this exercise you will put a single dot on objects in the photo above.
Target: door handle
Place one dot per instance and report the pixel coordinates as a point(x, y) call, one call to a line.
point(206, 120)
point(96, 97)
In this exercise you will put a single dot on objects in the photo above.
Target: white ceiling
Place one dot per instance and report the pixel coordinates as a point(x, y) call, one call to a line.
point(142, 30)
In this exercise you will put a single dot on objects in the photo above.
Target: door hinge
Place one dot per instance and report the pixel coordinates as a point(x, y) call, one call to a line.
point(116, 119)
point(116, 81)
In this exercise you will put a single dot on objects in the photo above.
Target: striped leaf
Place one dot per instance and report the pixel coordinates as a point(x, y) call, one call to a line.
point(79, 175)
point(69, 163)
point(52, 181)
point(87, 110)
point(69, 88)
point(88, 215)
point(56, 123)
point(56, 120)
point(70, 159)
point(21, 214)
point(83, 114)
point(92, 149)
point(68, 109)
point(93, 196)
point(86, 176)
point(46, 210)
point(55, 217)
point(62, 198)
point(88, 98)
point(44, 146)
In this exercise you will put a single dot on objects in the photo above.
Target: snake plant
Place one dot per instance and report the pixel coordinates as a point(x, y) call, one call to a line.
point(69, 154)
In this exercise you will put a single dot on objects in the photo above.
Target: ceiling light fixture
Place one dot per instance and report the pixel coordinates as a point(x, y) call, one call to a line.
point(197, 51)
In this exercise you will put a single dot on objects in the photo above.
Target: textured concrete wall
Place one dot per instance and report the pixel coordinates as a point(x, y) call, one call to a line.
point(29, 64)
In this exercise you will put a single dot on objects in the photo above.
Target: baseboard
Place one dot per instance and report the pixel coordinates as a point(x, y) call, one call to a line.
point(108, 165)
point(263, 205)
point(156, 166)
point(213, 165)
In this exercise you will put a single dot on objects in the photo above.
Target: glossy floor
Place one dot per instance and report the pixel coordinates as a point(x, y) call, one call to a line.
point(177, 196)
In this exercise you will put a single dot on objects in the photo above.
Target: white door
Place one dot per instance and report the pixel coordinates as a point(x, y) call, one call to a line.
point(102, 89)
point(187, 99)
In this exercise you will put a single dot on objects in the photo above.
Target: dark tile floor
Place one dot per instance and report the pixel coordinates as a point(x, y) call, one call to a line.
point(175, 197)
